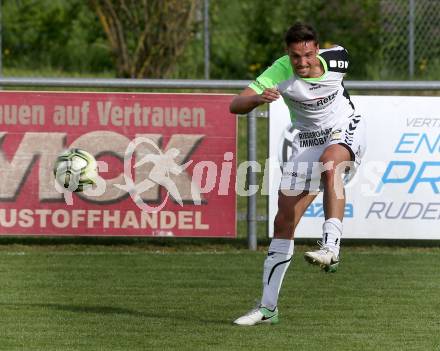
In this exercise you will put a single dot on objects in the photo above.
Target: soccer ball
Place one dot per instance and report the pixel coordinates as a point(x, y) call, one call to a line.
point(75, 170)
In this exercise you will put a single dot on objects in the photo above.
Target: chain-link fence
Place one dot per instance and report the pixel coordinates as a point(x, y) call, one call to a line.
point(410, 32)
point(392, 39)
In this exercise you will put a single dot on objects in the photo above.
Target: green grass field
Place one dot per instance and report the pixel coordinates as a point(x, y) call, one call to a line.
point(135, 297)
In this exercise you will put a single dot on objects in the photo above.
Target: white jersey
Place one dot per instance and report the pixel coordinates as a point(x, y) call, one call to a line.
point(314, 103)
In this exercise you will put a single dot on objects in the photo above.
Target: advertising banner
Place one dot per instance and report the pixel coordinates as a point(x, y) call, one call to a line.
point(395, 193)
point(167, 164)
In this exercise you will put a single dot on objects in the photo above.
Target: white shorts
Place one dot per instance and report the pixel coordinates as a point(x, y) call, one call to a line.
point(303, 149)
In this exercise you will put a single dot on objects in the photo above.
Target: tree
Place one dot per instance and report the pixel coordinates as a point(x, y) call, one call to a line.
point(53, 34)
point(248, 35)
point(146, 37)
point(356, 26)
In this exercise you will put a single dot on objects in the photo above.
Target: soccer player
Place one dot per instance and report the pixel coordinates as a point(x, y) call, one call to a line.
point(328, 144)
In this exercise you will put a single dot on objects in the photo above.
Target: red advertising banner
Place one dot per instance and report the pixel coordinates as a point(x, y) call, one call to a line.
point(167, 163)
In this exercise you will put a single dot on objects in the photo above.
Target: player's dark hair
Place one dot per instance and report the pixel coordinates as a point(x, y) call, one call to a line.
point(299, 33)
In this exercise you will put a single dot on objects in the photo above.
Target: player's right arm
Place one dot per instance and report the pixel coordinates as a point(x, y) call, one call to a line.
point(264, 88)
point(248, 99)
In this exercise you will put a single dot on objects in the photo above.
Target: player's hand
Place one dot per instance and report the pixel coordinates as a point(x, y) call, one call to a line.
point(269, 95)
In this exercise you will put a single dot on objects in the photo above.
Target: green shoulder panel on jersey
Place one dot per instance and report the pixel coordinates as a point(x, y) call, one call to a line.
point(280, 71)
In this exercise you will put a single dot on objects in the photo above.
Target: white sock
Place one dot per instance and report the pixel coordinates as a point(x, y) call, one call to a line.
point(275, 266)
point(332, 232)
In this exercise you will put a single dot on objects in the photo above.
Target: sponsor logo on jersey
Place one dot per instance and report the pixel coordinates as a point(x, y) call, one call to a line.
point(336, 135)
point(314, 138)
point(327, 99)
point(338, 64)
point(316, 104)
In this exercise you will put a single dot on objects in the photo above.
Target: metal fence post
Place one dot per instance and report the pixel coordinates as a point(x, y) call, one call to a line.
point(411, 39)
point(252, 180)
point(206, 38)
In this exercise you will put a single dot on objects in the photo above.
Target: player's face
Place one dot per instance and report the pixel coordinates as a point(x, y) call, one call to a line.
point(303, 58)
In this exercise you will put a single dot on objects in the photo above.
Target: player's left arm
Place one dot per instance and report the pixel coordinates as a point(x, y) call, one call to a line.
point(336, 58)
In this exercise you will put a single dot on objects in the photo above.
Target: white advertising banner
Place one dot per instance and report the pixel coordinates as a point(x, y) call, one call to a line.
point(396, 191)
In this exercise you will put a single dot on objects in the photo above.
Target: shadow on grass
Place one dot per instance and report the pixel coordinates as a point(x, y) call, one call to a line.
point(111, 310)
point(90, 309)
